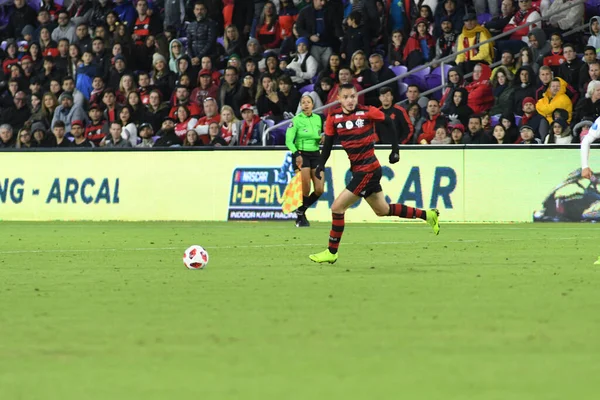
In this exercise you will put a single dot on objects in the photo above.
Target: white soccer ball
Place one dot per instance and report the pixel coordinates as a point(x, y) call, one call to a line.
point(195, 257)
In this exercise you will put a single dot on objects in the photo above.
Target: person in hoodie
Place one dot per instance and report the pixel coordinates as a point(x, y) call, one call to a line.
point(454, 80)
point(555, 97)
point(288, 14)
point(449, 11)
point(566, 15)
point(446, 43)
point(481, 95)
point(594, 39)
point(420, 46)
point(504, 91)
point(525, 87)
point(457, 108)
point(507, 120)
point(540, 47)
point(560, 133)
point(175, 53)
point(473, 34)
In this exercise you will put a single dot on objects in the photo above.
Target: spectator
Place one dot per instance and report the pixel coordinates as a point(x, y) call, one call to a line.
point(184, 122)
point(146, 133)
point(524, 87)
point(332, 68)
point(473, 34)
point(272, 65)
point(156, 110)
point(7, 139)
point(97, 129)
point(288, 14)
point(247, 92)
point(254, 50)
point(527, 136)
point(268, 102)
point(527, 13)
point(214, 134)
point(233, 43)
point(251, 128)
point(560, 133)
point(355, 38)
point(593, 75)
point(555, 57)
point(448, 11)
point(268, 31)
point(508, 62)
point(229, 88)
point(344, 77)
point(554, 98)
point(202, 34)
point(497, 24)
point(589, 57)
point(206, 88)
point(22, 14)
point(457, 108)
point(383, 74)
point(533, 119)
point(420, 46)
point(507, 120)
point(79, 138)
point(457, 133)
point(570, 69)
point(413, 96)
point(59, 132)
point(416, 119)
point(211, 115)
point(441, 136)
point(112, 109)
point(68, 86)
point(162, 78)
point(396, 49)
point(588, 108)
point(503, 90)
point(476, 133)
point(129, 131)
point(18, 113)
point(288, 46)
point(435, 119)
point(146, 24)
point(363, 75)
point(404, 126)
point(499, 133)
point(24, 139)
point(570, 16)
point(116, 140)
point(319, 24)
point(594, 40)
point(304, 66)
point(446, 43)
point(230, 125)
point(545, 77)
point(289, 96)
point(175, 53)
point(65, 28)
point(182, 98)
point(191, 139)
point(167, 136)
point(454, 81)
point(67, 112)
point(481, 96)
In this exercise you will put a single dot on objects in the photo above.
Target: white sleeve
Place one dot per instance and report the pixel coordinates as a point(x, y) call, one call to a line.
point(594, 134)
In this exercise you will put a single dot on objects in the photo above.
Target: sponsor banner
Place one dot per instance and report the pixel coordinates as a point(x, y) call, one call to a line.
point(466, 185)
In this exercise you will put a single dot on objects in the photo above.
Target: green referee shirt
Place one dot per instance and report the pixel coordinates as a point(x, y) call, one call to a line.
point(304, 133)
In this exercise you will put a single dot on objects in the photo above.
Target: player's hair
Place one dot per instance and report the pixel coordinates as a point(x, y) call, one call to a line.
point(348, 86)
point(59, 124)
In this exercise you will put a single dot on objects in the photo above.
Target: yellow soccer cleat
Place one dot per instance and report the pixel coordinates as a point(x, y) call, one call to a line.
point(324, 257)
point(433, 219)
point(597, 261)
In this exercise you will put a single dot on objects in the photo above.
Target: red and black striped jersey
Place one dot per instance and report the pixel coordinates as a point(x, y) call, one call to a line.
point(357, 135)
point(142, 29)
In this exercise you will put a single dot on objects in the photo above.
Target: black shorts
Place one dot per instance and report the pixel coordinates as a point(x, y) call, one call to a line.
point(310, 159)
point(364, 184)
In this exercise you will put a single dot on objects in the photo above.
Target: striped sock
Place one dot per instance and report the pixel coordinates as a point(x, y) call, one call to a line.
point(402, 211)
point(337, 229)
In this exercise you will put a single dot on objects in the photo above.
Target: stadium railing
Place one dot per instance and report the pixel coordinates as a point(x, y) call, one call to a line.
point(435, 62)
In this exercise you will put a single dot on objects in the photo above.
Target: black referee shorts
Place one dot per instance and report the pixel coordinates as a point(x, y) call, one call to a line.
point(310, 159)
point(364, 184)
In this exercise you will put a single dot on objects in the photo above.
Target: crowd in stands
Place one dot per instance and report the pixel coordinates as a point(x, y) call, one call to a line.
point(155, 73)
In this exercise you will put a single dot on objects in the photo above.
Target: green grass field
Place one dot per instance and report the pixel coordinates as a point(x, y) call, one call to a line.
point(108, 311)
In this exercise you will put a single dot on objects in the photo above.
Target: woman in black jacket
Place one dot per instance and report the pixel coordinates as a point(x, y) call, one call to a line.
point(268, 99)
point(524, 87)
point(457, 108)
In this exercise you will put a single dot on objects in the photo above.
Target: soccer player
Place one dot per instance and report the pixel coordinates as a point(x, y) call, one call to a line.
point(586, 172)
point(302, 138)
point(353, 125)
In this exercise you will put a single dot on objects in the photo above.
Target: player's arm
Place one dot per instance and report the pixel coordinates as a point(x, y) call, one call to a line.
point(586, 143)
point(325, 153)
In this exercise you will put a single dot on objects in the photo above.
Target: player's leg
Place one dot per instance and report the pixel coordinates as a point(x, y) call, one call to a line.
point(338, 209)
point(301, 220)
point(381, 208)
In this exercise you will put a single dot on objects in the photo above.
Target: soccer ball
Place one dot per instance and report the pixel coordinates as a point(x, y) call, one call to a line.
point(195, 257)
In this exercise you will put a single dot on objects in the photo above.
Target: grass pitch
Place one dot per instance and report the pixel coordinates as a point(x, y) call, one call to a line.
point(108, 311)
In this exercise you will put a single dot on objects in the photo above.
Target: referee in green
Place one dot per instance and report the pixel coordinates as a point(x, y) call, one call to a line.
point(302, 138)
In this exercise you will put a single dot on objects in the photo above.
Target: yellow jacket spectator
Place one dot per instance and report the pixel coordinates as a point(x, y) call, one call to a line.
point(554, 98)
point(472, 34)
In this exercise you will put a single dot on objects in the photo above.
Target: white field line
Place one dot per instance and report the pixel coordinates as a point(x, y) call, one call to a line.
point(257, 246)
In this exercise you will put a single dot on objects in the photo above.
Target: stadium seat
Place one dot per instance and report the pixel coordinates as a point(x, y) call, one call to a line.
point(483, 18)
point(438, 70)
point(418, 78)
point(221, 41)
point(307, 88)
point(399, 70)
point(403, 88)
point(495, 119)
point(433, 81)
point(518, 120)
